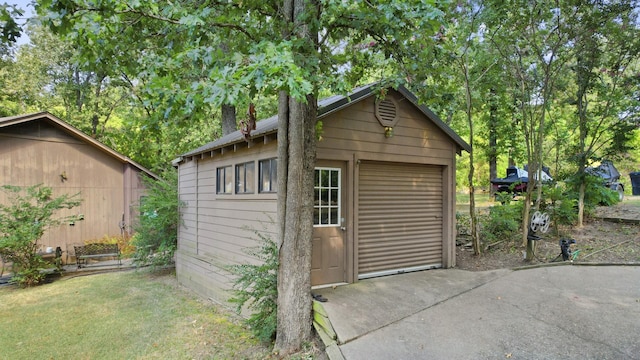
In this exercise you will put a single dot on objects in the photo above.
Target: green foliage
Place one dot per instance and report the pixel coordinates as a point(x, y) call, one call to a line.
point(595, 193)
point(559, 205)
point(256, 287)
point(23, 221)
point(463, 223)
point(156, 235)
point(502, 222)
point(9, 29)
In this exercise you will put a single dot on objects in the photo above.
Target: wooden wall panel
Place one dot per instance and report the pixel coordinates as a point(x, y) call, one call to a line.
point(39, 153)
point(206, 277)
point(355, 130)
point(218, 228)
point(187, 193)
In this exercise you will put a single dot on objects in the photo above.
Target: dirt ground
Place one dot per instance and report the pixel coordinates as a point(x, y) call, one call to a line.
point(612, 235)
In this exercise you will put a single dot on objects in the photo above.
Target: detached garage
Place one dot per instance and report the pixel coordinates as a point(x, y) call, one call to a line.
point(384, 194)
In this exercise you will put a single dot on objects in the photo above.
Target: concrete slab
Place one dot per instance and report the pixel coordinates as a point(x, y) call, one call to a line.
point(368, 305)
point(565, 312)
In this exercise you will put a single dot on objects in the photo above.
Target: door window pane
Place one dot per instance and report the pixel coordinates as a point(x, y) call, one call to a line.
point(327, 197)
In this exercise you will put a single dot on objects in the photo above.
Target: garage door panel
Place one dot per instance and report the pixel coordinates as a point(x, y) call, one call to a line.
point(421, 215)
point(408, 250)
point(409, 259)
point(399, 238)
point(400, 205)
point(406, 190)
point(400, 225)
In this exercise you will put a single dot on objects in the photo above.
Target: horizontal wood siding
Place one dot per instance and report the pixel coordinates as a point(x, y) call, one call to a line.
point(356, 131)
point(206, 276)
point(400, 217)
point(218, 228)
point(187, 193)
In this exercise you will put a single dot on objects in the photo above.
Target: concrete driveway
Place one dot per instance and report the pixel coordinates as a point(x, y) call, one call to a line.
point(559, 312)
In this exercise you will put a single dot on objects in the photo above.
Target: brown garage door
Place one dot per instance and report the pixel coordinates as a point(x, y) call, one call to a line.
point(399, 218)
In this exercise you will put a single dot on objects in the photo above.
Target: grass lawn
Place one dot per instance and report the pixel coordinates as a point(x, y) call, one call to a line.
point(631, 200)
point(482, 200)
point(120, 315)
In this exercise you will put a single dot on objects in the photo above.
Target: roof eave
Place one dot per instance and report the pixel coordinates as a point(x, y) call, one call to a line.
point(462, 145)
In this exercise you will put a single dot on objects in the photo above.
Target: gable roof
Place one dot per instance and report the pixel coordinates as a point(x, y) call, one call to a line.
point(269, 126)
point(74, 132)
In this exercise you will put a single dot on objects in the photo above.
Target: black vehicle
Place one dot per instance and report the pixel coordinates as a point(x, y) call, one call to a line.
point(609, 175)
point(517, 180)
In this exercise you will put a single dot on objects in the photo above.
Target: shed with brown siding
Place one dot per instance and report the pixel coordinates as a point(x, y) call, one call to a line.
point(384, 194)
point(42, 149)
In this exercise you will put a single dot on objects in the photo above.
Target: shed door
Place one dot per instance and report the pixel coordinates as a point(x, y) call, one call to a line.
point(328, 244)
point(400, 223)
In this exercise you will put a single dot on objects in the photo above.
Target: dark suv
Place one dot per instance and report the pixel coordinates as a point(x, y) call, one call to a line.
point(609, 175)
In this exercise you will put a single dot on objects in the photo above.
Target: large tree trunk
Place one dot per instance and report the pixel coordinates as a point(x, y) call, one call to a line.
point(228, 119)
point(296, 163)
point(296, 223)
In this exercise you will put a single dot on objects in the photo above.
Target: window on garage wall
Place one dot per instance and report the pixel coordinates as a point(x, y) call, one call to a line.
point(268, 176)
point(245, 178)
point(224, 180)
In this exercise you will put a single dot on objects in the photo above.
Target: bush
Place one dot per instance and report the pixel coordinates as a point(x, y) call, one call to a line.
point(502, 223)
point(559, 205)
point(29, 212)
point(256, 286)
point(596, 193)
point(463, 223)
point(156, 237)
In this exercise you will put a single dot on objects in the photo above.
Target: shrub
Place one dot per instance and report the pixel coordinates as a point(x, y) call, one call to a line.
point(596, 193)
point(463, 223)
point(29, 212)
point(256, 286)
point(502, 223)
point(559, 205)
point(156, 237)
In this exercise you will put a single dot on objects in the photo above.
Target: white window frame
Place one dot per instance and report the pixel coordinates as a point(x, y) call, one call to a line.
point(320, 207)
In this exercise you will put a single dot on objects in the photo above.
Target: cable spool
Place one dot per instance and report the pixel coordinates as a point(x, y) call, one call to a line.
point(539, 222)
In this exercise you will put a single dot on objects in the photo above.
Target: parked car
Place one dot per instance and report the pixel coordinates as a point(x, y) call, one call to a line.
point(610, 176)
point(517, 179)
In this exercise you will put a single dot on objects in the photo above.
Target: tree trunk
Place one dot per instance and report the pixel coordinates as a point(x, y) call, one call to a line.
point(95, 118)
point(581, 107)
point(296, 226)
point(296, 163)
point(581, 204)
point(475, 236)
point(228, 119)
point(493, 142)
